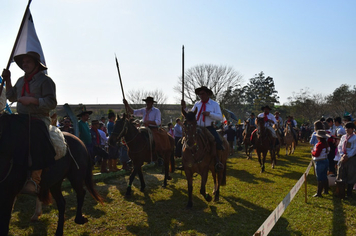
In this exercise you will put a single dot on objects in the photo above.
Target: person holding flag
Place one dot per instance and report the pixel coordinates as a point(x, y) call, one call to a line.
point(35, 94)
point(208, 112)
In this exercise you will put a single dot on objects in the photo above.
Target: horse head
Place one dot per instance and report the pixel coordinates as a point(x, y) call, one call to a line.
point(120, 129)
point(190, 126)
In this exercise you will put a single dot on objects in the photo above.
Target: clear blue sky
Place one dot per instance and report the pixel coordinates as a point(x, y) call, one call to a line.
point(298, 43)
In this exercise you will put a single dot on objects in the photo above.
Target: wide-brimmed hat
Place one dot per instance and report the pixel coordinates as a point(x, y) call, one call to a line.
point(262, 108)
point(277, 112)
point(83, 111)
point(19, 59)
point(149, 99)
point(322, 134)
point(204, 88)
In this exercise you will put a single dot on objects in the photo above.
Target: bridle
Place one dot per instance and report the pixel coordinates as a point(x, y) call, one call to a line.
point(194, 147)
point(124, 132)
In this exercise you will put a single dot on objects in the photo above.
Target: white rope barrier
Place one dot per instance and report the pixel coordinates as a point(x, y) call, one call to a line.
point(272, 219)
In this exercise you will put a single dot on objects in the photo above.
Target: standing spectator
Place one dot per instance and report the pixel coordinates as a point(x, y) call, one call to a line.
point(239, 137)
point(178, 134)
point(113, 150)
point(84, 132)
point(320, 158)
point(338, 126)
point(98, 151)
point(67, 126)
point(103, 121)
point(332, 127)
point(111, 122)
point(347, 150)
point(170, 129)
point(231, 134)
point(318, 125)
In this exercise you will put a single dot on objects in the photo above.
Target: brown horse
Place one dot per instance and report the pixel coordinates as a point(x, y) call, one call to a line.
point(247, 139)
point(75, 166)
point(277, 147)
point(289, 139)
point(140, 151)
point(263, 142)
point(199, 153)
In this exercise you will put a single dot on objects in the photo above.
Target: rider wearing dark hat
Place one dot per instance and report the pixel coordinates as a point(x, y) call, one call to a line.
point(35, 94)
point(208, 112)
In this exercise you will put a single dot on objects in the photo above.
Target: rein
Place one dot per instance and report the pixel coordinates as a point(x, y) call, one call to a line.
point(195, 145)
point(7, 175)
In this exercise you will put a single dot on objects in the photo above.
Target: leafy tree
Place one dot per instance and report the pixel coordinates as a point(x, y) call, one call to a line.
point(217, 78)
point(260, 91)
point(342, 100)
point(135, 98)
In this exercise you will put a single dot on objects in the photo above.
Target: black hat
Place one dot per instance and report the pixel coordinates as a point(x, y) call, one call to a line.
point(262, 108)
point(84, 111)
point(204, 88)
point(149, 99)
point(19, 58)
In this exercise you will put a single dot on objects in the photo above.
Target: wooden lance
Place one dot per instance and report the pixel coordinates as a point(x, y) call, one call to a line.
point(183, 73)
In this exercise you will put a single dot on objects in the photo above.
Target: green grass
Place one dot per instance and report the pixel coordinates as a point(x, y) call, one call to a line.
point(245, 203)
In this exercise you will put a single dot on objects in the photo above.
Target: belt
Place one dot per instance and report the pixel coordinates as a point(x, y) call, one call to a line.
point(321, 159)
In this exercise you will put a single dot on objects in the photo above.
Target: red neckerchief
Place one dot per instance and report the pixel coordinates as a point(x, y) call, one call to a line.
point(345, 143)
point(203, 108)
point(265, 118)
point(26, 85)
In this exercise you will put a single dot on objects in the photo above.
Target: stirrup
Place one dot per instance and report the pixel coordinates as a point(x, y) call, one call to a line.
point(25, 189)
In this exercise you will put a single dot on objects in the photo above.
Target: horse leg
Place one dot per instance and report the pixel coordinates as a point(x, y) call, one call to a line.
point(264, 154)
point(189, 176)
point(142, 181)
point(38, 210)
point(204, 178)
point(6, 204)
point(56, 192)
point(77, 185)
point(131, 179)
point(166, 159)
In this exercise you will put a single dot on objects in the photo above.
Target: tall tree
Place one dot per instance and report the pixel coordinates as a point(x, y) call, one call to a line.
point(135, 98)
point(342, 100)
point(217, 78)
point(260, 91)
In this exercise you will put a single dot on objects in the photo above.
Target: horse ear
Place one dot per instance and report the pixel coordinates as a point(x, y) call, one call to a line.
point(195, 111)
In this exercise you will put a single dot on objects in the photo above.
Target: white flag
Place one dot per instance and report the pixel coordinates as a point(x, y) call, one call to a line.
point(28, 40)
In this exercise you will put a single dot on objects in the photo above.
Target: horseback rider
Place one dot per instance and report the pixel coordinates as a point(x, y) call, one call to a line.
point(252, 120)
point(35, 94)
point(279, 123)
point(293, 125)
point(208, 112)
point(269, 119)
point(152, 120)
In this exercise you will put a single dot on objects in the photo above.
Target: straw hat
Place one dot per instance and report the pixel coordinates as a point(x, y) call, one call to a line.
point(322, 134)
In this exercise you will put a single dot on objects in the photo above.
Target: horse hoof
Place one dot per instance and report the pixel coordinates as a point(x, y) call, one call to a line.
point(81, 220)
point(169, 177)
point(216, 198)
point(189, 205)
point(208, 198)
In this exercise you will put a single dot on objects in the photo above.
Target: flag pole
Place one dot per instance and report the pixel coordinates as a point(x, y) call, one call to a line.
point(183, 73)
point(16, 41)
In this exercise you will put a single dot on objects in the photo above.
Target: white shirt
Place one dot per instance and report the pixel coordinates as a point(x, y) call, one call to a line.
point(269, 116)
point(103, 138)
point(215, 113)
point(340, 130)
point(351, 150)
point(154, 114)
point(332, 130)
point(280, 122)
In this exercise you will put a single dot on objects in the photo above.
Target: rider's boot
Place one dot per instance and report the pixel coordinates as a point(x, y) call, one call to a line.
point(32, 185)
point(103, 168)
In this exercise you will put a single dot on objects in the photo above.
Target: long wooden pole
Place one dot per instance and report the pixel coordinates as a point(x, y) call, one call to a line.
point(183, 73)
point(16, 41)
point(118, 71)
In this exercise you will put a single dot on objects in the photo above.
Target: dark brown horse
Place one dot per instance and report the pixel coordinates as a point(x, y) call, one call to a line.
point(139, 149)
point(199, 153)
point(75, 166)
point(263, 142)
point(247, 139)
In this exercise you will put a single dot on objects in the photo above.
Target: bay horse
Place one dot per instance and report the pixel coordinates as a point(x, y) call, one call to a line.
point(139, 149)
point(289, 139)
point(247, 139)
point(277, 147)
point(198, 156)
point(263, 142)
point(75, 166)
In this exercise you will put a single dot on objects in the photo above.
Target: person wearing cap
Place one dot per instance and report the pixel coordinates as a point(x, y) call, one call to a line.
point(208, 112)
point(84, 131)
point(347, 150)
point(320, 158)
point(269, 119)
point(35, 94)
point(98, 151)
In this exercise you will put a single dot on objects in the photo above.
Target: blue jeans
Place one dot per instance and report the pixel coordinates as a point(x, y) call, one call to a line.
point(321, 169)
point(218, 141)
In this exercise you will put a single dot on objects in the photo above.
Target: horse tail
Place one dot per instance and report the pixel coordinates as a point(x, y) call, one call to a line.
point(89, 183)
point(223, 181)
point(172, 160)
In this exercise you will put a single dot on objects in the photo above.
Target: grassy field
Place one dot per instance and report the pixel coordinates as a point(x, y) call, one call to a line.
point(246, 201)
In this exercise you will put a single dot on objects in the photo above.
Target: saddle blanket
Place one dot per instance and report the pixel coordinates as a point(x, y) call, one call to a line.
point(58, 141)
